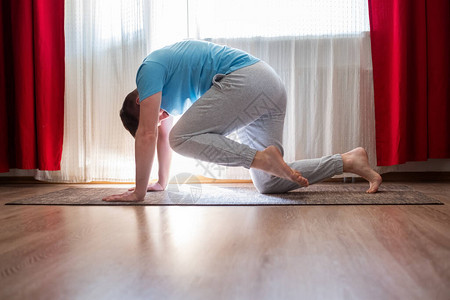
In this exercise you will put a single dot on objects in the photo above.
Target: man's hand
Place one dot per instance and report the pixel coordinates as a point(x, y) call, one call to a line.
point(154, 187)
point(125, 197)
point(162, 116)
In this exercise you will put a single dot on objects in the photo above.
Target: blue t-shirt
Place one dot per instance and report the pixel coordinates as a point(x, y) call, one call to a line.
point(184, 72)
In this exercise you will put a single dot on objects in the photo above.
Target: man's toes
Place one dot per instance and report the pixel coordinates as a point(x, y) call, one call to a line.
point(372, 190)
point(302, 180)
point(295, 178)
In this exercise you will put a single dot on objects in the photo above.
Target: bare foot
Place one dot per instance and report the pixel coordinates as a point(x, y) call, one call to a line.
point(357, 162)
point(271, 161)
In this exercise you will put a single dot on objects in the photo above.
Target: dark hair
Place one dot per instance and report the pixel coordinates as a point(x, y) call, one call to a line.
point(130, 113)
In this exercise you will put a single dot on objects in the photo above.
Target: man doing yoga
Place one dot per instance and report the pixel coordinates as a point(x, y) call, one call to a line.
point(219, 90)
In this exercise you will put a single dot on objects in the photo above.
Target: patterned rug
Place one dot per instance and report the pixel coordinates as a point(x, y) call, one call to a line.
point(206, 194)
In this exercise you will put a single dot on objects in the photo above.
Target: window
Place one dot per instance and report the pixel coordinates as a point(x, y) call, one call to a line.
point(269, 18)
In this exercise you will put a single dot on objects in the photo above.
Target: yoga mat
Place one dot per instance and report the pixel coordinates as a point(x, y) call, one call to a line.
point(204, 195)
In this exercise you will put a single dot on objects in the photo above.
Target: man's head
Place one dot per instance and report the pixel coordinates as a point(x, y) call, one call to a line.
point(130, 112)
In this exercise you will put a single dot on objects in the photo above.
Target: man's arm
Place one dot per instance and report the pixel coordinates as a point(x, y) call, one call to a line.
point(145, 144)
point(164, 151)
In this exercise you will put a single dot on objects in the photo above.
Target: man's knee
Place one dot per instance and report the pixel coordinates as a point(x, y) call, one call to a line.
point(263, 189)
point(267, 187)
point(263, 182)
point(270, 184)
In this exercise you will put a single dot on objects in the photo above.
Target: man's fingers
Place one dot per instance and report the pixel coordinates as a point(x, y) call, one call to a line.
point(128, 196)
point(112, 198)
point(115, 197)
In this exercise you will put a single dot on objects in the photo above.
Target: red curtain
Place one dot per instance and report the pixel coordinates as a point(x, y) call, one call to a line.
point(411, 73)
point(31, 84)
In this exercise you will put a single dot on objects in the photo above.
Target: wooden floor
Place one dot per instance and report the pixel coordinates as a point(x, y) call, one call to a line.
point(291, 252)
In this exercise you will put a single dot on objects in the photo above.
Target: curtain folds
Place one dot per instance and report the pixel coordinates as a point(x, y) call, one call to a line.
point(411, 68)
point(438, 76)
point(32, 84)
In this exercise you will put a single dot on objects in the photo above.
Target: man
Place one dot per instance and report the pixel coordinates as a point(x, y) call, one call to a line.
point(217, 90)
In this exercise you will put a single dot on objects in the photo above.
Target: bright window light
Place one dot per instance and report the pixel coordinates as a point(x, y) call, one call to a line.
point(269, 18)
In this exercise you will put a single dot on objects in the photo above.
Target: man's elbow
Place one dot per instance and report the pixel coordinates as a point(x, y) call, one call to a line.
point(147, 133)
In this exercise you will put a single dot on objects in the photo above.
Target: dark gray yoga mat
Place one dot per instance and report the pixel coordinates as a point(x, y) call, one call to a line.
point(205, 194)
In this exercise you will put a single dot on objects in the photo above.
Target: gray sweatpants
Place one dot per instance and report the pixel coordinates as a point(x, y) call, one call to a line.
point(251, 101)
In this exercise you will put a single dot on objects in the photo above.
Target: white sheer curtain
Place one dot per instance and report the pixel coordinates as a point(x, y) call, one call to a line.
point(105, 44)
point(321, 49)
